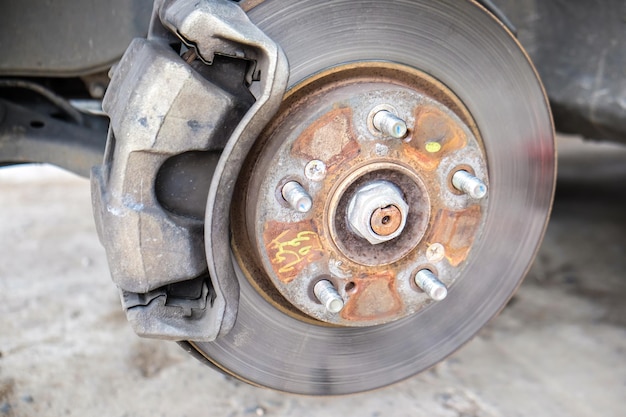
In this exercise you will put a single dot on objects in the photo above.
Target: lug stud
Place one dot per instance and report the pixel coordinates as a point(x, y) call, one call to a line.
point(469, 184)
point(327, 294)
point(389, 124)
point(431, 285)
point(297, 197)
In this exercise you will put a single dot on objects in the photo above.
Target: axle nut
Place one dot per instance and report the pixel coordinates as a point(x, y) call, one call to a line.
point(386, 220)
point(377, 212)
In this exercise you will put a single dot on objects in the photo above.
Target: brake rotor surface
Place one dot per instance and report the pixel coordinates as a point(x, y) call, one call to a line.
point(277, 342)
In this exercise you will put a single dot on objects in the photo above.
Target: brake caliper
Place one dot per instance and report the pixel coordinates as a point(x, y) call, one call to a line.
point(202, 85)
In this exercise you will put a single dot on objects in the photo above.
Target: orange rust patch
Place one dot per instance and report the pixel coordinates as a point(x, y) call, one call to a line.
point(456, 231)
point(425, 162)
point(375, 297)
point(386, 220)
point(291, 247)
point(330, 139)
point(434, 126)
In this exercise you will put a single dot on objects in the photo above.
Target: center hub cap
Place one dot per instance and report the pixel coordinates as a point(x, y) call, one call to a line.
point(362, 198)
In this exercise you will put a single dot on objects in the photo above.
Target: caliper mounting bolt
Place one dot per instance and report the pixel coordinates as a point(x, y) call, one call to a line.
point(389, 124)
point(327, 294)
point(469, 184)
point(296, 196)
point(431, 285)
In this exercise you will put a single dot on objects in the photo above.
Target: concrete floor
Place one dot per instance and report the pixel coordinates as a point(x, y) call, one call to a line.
point(558, 349)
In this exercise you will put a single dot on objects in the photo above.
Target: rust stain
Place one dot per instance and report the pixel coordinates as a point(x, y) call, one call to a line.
point(456, 231)
point(424, 161)
point(291, 247)
point(375, 298)
point(434, 126)
point(386, 220)
point(329, 139)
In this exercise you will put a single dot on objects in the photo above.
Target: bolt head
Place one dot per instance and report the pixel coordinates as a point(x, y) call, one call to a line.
point(315, 170)
point(435, 252)
point(377, 212)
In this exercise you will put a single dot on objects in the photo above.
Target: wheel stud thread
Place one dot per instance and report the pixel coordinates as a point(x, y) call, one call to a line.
point(297, 197)
point(389, 124)
point(329, 297)
point(431, 285)
point(469, 184)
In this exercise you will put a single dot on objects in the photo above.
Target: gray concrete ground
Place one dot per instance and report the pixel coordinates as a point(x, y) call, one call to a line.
point(558, 349)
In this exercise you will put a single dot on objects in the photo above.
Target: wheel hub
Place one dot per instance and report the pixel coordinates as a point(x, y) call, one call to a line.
point(336, 192)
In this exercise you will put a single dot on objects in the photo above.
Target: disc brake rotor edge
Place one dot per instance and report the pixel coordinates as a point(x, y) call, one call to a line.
point(462, 46)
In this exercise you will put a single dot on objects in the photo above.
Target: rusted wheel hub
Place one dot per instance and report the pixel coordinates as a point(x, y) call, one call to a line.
point(354, 183)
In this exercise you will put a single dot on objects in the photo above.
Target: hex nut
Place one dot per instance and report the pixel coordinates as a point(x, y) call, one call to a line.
point(367, 201)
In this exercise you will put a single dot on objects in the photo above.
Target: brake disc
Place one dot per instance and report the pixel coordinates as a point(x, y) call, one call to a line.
point(472, 102)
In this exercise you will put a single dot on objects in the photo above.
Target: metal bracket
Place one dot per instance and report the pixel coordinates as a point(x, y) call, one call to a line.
point(28, 135)
point(160, 107)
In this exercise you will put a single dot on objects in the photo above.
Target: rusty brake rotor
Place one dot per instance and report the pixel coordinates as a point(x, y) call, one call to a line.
point(396, 200)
